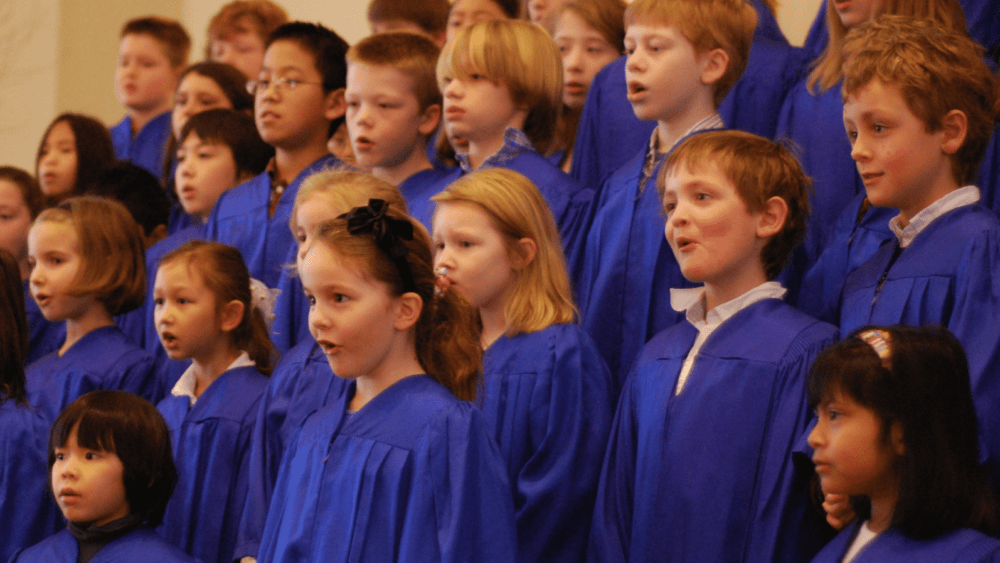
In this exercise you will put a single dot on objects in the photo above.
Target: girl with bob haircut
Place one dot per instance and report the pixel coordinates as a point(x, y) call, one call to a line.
point(547, 394)
point(74, 152)
point(400, 467)
point(112, 475)
point(28, 515)
point(87, 263)
point(207, 309)
point(897, 433)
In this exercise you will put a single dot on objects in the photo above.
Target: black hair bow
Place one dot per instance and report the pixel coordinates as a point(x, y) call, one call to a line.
point(389, 233)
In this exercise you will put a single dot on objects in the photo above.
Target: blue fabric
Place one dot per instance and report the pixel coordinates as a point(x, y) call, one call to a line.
point(989, 174)
point(103, 359)
point(179, 219)
point(548, 399)
point(706, 475)
point(211, 445)
point(44, 336)
point(418, 189)
point(947, 276)
point(291, 309)
point(240, 219)
point(958, 546)
point(818, 35)
point(27, 510)
point(147, 148)
point(412, 476)
point(141, 544)
point(301, 383)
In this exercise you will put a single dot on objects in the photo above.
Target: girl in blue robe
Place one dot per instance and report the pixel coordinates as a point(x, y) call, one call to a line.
point(207, 310)
point(112, 475)
point(896, 432)
point(88, 267)
point(547, 395)
point(399, 468)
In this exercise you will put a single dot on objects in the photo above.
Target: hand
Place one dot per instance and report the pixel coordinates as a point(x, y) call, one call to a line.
point(839, 512)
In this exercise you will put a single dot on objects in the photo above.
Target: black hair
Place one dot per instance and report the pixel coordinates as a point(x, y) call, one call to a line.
point(14, 331)
point(95, 151)
point(924, 388)
point(138, 190)
point(237, 131)
point(131, 428)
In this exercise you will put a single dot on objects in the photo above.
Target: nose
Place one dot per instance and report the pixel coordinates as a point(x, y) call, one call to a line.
point(635, 61)
point(362, 115)
point(536, 6)
point(318, 320)
point(453, 90)
point(859, 149)
point(68, 467)
point(816, 435)
point(221, 53)
point(37, 276)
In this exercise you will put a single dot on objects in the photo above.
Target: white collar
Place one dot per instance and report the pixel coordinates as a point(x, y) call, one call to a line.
point(692, 301)
point(185, 386)
point(961, 197)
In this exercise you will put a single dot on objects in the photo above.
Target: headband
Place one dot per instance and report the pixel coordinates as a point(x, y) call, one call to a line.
point(879, 341)
point(389, 234)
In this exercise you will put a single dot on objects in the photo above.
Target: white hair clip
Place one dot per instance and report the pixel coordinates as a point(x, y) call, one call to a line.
point(264, 299)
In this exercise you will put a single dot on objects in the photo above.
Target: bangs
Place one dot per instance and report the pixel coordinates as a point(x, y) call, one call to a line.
point(850, 368)
point(94, 429)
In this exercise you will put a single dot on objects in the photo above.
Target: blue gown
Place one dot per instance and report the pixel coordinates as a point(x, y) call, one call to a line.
point(706, 475)
point(142, 544)
point(948, 276)
point(147, 148)
point(412, 476)
point(548, 399)
point(989, 174)
point(26, 508)
point(103, 359)
point(44, 336)
point(211, 445)
point(301, 383)
point(418, 189)
point(291, 309)
point(240, 219)
point(958, 546)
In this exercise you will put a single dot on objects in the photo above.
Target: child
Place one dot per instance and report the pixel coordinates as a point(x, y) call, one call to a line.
point(547, 394)
point(74, 152)
point(914, 149)
point(152, 54)
point(238, 33)
point(112, 475)
point(464, 13)
point(140, 193)
point(589, 34)
point(393, 108)
point(299, 101)
point(399, 467)
point(896, 432)
point(87, 266)
point(698, 467)
point(302, 381)
point(28, 515)
point(208, 310)
point(426, 17)
point(545, 12)
point(625, 261)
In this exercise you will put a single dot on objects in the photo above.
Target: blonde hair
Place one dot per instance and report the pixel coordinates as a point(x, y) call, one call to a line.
point(260, 17)
point(828, 69)
point(519, 55)
point(347, 190)
point(541, 295)
point(708, 24)
point(411, 54)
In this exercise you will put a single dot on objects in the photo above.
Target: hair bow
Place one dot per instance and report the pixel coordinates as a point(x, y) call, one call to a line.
point(389, 233)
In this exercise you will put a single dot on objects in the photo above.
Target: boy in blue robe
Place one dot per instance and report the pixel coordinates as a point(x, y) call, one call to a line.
point(915, 150)
point(152, 54)
point(299, 100)
point(699, 466)
point(621, 257)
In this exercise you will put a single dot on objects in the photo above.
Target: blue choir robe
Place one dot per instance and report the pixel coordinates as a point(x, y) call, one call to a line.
point(989, 174)
point(211, 445)
point(418, 190)
point(179, 219)
point(983, 20)
point(27, 510)
point(44, 336)
point(240, 218)
point(947, 276)
point(301, 383)
point(103, 359)
point(147, 147)
point(818, 35)
point(548, 398)
point(707, 475)
point(854, 238)
point(291, 308)
point(958, 546)
point(412, 476)
point(141, 544)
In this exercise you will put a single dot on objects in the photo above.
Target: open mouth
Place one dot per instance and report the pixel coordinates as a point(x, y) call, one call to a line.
point(169, 340)
point(329, 348)
point(42, 299)
point(635, 88)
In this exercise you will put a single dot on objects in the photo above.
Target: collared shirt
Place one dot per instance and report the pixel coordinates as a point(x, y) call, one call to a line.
point(654, 154)
point(278, 185)
point(515, 143)
point(185, 386)
point(692, 301)
point(953, 200)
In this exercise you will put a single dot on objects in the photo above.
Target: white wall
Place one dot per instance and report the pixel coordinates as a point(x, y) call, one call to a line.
point(795, 17)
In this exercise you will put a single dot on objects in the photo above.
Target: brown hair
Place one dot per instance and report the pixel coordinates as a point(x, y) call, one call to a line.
point(936, 70)
point(258, 16)
point(223, 271)
point(447, 331)
point(717, 24)
point(414, 55)
point(27, 185)
point(14, 327)
point(95, 151)
point(607, 17)
point(169, 33)
point(111, 249)
point(348, 190)
point(429, 15)
point(759, 169)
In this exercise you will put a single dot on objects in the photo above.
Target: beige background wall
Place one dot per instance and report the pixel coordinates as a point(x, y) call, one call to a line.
point(60, 55)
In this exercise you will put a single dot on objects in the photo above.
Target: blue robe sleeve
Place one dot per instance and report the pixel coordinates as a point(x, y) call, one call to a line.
point(958, 546)
point(418, 190)
point(141, 544)
point(147, 148)
point(983, 20)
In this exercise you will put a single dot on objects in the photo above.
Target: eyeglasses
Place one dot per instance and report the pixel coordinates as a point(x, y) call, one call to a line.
point(280, 84)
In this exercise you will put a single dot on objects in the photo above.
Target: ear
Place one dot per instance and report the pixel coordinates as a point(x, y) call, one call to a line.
point(525, 251)
point(336, 107)
point(408, 308)
point(771, 220)
point(714, 65)
point(230, 315)
point(955, 126)
point(430, 119)
point(896, 438)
